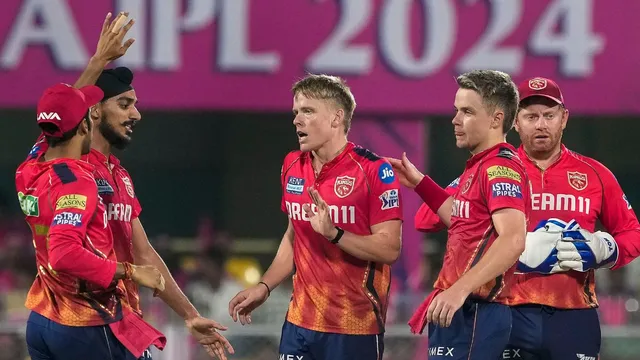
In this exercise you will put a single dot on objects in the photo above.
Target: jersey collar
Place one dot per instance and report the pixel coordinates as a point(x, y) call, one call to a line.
point(481, 155)
point(347, 149)
point(98, 157)
point(522, 154)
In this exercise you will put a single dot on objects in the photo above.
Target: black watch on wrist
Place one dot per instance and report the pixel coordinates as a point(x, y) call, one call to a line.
point(338, 236)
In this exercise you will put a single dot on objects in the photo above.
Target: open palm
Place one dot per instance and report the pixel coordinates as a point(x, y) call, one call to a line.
point(320, 219)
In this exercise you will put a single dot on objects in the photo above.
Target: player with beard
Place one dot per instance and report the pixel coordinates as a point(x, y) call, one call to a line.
point(115, 117)
point(553, 300)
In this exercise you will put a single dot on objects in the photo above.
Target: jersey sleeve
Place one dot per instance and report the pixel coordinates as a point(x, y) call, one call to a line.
point(428, 221)
point(137, 208)
point(385, 202)
point(74, 201)
point(618, 217)
point(504, 184)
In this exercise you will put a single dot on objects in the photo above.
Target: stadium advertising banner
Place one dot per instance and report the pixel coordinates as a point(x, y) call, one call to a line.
point(398, 55)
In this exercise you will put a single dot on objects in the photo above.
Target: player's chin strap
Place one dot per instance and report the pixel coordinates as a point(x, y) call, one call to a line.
point(581, 250)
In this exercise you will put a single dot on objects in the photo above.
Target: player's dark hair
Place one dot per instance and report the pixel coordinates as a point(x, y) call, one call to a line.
point(497, 91)
point(54, 141)
point(326, 87)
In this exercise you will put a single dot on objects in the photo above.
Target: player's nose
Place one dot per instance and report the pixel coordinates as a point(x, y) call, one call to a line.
point(135, 114)
point(456, 119)
point(541, 124)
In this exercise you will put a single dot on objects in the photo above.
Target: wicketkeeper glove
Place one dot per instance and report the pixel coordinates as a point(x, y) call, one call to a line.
point(540, 253)
point(581, 250)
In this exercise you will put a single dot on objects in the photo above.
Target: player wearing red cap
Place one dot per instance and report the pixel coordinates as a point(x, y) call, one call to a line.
point(77, 292)
point(555, 285)
point(345, 215)
point(467, 313)
point(115, 187)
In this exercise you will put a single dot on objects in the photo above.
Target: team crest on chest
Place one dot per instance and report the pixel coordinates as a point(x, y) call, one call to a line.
point(577, 180)
point(343, 186)
point(128, 185)
point(467, 184)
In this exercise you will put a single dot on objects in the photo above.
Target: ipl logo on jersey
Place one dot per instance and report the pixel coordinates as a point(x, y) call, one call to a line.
point(128, 185)
point(390, 199)
point(344, 186)
point(577, 180)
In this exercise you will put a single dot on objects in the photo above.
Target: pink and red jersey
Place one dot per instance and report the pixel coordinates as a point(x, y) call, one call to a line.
point(332, 290)
point(115, 187)
point(116, 190)
point(494, 179)
point(579, 188)
point(74, 247)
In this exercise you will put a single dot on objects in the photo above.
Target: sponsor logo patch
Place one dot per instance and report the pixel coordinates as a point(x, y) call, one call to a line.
point(503, 172)
point(67, 218)
point(390, 199)
point(72, 201)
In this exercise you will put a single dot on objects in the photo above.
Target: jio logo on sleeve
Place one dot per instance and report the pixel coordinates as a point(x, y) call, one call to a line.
point(385, 173)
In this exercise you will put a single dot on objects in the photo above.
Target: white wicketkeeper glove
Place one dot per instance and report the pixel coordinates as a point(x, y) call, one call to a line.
point(581, 250)
point(540, 253)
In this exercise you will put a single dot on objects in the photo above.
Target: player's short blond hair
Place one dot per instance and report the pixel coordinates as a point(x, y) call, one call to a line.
point(497, 91)
point(326, 87)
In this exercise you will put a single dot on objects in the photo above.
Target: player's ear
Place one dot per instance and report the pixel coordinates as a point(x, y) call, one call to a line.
point(338, 118)
point(85, 127)
point(497, 119)
point(565, 118)
point(96, 112)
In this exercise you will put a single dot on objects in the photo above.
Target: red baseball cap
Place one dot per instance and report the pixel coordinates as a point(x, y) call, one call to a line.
point(65, 106)
point(539, 86)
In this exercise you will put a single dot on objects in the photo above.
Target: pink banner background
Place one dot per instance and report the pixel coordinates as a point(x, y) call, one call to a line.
point(201, 64)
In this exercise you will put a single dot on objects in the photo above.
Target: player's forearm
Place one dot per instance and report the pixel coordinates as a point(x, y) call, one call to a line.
point(279, 270)
point(381, 248)
point(282, 265)
point(172, 294)
point(67, 256)
point(628, 247)
point(91, 73)
point(444, 212)
point(436, 198)
point(500, 256)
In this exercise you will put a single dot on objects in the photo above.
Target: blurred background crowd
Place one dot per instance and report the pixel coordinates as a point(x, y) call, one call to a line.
point(213, 79)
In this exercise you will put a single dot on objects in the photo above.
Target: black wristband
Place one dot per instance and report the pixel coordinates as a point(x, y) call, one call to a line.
point(338, 236)
point(267, 286)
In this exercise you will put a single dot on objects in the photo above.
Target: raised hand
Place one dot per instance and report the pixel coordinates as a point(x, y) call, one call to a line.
point(320, 219)
point(406, 172)
point(110, 46)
